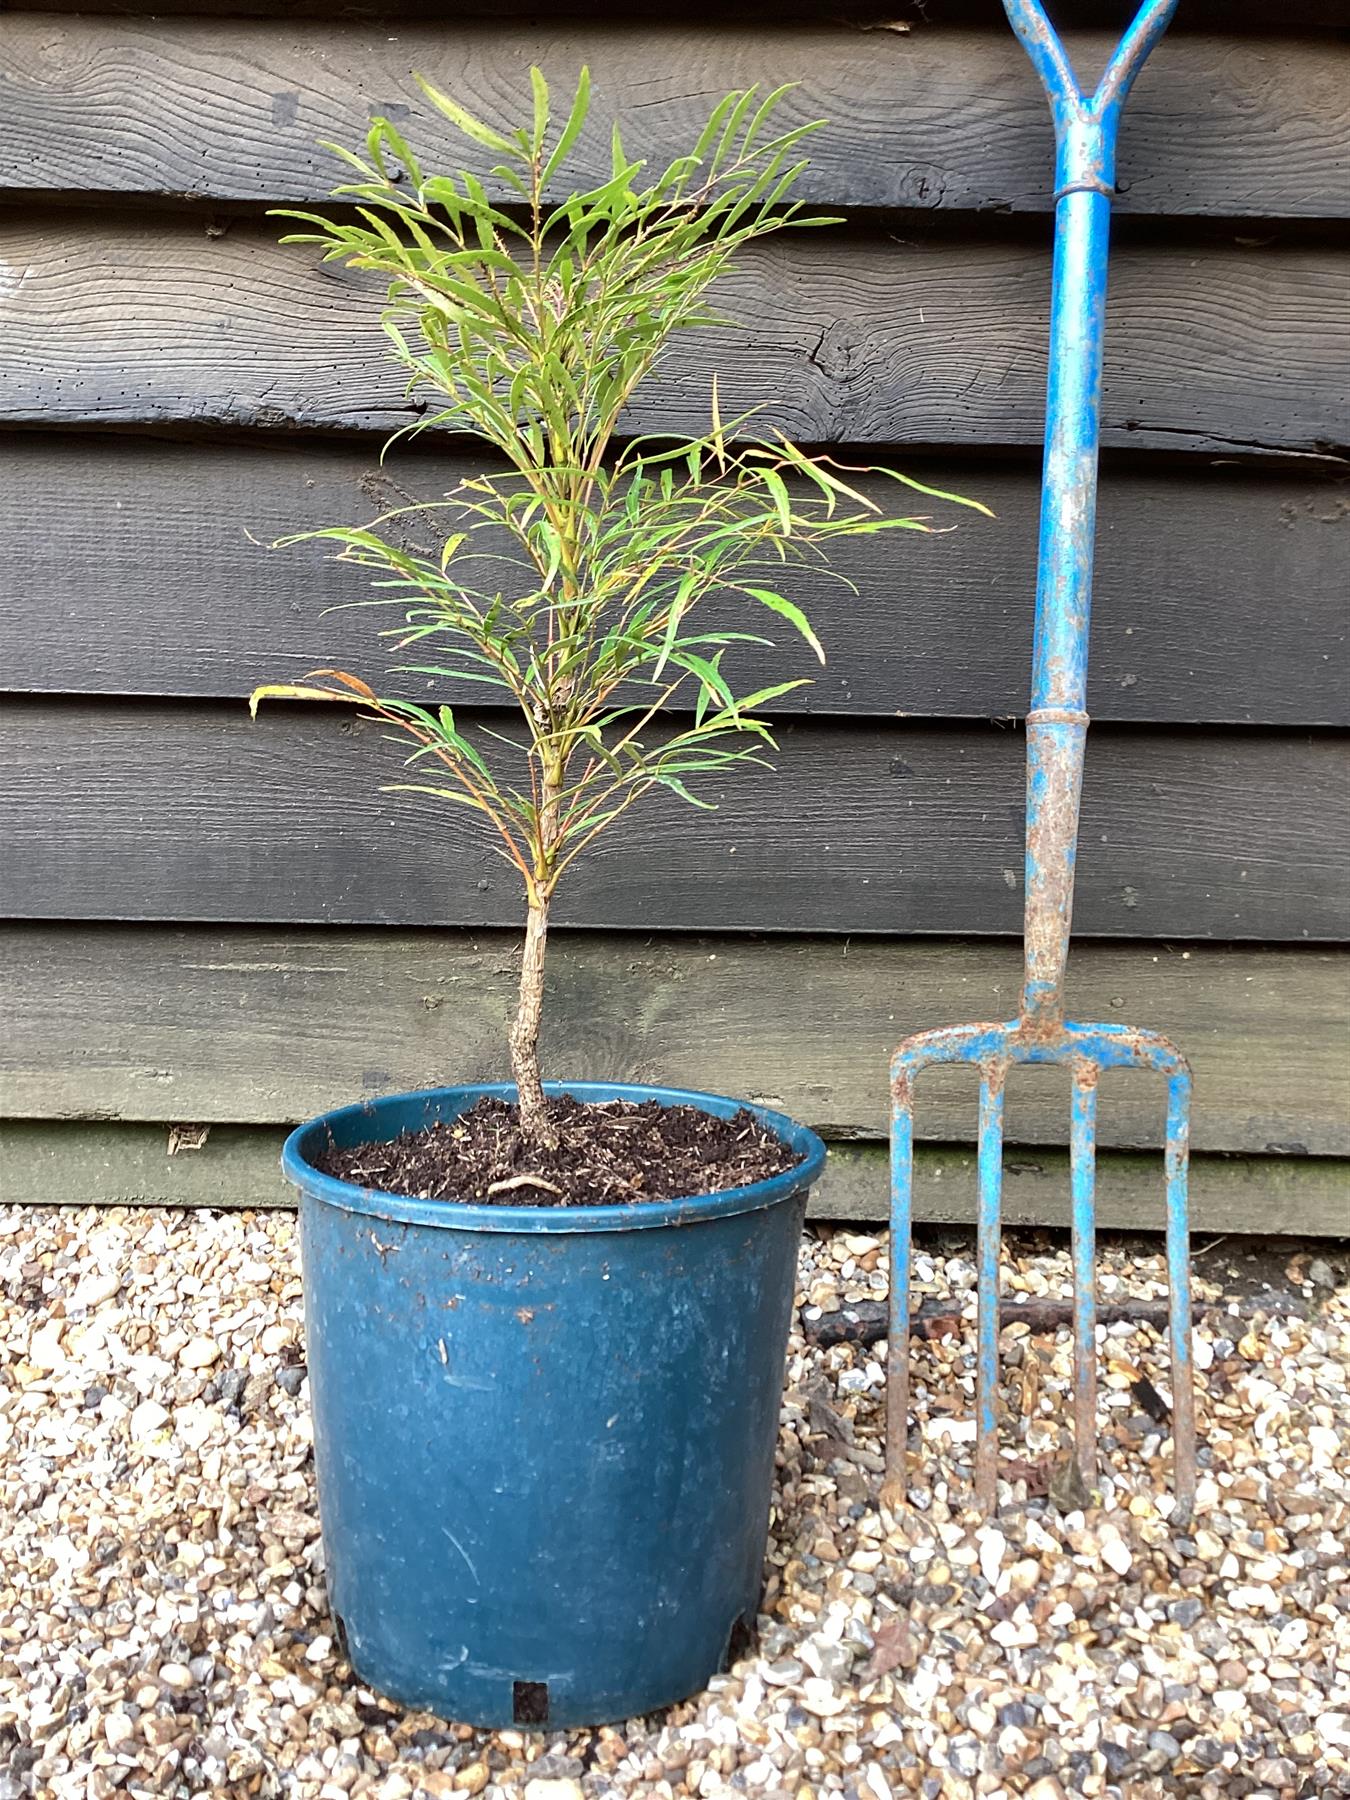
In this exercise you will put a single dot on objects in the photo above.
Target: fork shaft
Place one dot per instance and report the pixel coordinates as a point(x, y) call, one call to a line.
point(987, 1251)
point(1069, 490)
point(1057, 720)
point(1086, 127)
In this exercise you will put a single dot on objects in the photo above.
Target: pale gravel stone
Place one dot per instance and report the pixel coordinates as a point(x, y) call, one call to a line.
point(992, 1545)
point(163, 1624)
point(1116, 1555)
point(45, 1352)
point(148, 1418)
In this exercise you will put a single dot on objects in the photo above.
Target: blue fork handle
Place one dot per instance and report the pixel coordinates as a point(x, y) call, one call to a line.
point(1085, 172)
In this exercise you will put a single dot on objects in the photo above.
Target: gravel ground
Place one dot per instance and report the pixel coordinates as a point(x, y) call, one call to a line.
point(162, 1621)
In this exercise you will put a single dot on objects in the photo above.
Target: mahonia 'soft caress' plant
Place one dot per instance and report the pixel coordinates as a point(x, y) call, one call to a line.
point(571, 576)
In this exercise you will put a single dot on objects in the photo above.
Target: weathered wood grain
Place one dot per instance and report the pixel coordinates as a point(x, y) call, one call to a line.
point(874, 15)
point(1220, 597)
point(172, 811)
point(255, 1026)
point(79, 1164)
point(843, 337)
point(947, 120)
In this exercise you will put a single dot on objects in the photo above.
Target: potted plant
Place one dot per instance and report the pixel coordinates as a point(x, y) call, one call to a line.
point(547, 1323)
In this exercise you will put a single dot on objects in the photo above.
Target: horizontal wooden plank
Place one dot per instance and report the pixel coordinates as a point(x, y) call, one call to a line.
point(875, 15)
point(950, 120)
point(1295, 1196)
point(843, 337)
point(146, 810)
point(236, 1167)
point(181, 600)
point(252, 1026)
point(69, 1164)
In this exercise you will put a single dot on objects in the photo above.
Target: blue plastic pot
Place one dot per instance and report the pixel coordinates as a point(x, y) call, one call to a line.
point(544, 1437)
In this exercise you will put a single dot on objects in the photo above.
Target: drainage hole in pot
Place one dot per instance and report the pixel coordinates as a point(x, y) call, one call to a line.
point(529, 1702)
point(740, 1641)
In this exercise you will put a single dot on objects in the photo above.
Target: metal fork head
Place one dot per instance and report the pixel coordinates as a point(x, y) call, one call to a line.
point(1086, 1050)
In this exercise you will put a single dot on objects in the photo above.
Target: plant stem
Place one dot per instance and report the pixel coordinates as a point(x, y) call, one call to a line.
point(535, 1126)
point(524, 1038)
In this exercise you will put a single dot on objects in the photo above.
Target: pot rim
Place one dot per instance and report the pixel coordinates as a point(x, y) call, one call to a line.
point(455, 1215)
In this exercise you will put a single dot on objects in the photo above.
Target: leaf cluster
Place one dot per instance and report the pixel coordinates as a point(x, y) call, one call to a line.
point(534, 321)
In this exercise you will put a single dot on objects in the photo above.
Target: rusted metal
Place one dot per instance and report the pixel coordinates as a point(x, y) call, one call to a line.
point(1083, 1175)
point(1056, 729)
point(990, 1175)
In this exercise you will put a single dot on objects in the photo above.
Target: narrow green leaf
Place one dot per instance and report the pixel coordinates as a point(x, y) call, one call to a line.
point(440, 793)
point(779, 495)
point(717, 118)
point(936, 493)
point(762, 696)
point(465, 121)
point(785, 609)
point(539, 89)
point(682, 594)
point(676, 786)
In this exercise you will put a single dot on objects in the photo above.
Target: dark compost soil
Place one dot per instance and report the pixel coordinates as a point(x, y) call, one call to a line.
point(615, 1154)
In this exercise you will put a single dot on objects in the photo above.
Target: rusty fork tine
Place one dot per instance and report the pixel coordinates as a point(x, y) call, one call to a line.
point(1083, 1177)
point(897, 1352)
point(1179, 1292)
point(987, 1252)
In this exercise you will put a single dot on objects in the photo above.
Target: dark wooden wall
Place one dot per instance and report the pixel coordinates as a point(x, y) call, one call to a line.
point(213, 923)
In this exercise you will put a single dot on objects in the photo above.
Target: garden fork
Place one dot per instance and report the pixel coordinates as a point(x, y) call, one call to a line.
point(1056, 730)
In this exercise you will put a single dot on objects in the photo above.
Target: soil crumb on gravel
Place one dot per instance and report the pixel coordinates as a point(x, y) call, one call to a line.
point(618, 1153)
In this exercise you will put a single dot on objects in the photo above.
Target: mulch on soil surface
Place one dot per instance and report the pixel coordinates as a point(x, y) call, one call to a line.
point(616, 1154)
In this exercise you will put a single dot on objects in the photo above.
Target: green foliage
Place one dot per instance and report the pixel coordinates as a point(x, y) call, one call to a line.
point(533, 322)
